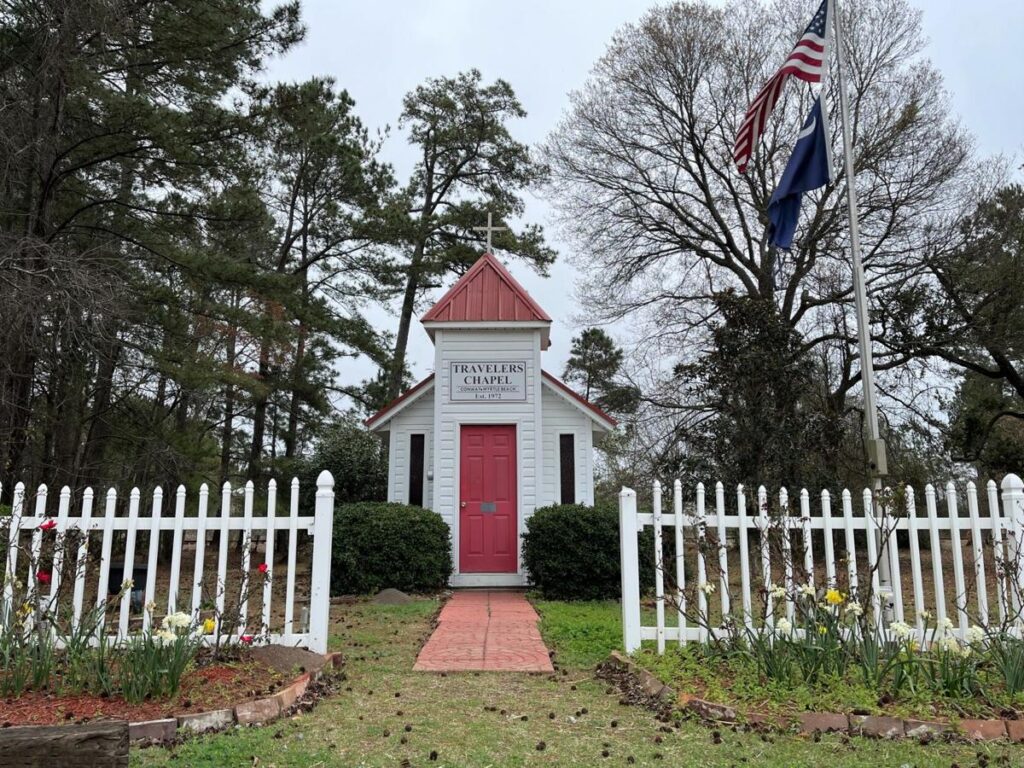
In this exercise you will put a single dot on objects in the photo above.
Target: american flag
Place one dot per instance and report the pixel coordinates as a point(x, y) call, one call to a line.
point(806, 62)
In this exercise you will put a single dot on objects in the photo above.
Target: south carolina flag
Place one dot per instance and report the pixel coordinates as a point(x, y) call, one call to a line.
point(809, 167)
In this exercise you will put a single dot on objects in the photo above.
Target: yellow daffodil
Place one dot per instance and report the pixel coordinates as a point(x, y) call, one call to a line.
point(834, 597)
point(208, 626)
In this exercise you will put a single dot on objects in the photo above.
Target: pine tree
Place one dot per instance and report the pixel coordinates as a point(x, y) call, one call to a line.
point(595, 361)
point(469, 165)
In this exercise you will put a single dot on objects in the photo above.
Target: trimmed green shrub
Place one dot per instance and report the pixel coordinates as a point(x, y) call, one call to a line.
point(572, 552)
point(379, 545)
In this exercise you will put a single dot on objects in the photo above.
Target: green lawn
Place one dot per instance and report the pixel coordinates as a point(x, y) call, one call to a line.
point(452, 714)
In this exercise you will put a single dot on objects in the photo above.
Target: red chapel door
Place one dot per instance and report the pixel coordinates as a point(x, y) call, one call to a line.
point(487, 499)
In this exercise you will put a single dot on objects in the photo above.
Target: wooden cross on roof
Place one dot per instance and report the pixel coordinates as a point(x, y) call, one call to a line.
point(489, 229)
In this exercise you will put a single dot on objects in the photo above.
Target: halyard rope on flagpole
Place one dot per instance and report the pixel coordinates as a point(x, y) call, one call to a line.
point(876, 447)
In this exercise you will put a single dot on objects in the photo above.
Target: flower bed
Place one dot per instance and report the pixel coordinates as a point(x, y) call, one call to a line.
point(643, 687)
point(57, 640)
point(211, 684)
point(814, 650)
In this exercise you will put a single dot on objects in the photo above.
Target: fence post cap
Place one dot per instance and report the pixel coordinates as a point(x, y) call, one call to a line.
point(1012, 483)
point(627, 492)
point(325, 480)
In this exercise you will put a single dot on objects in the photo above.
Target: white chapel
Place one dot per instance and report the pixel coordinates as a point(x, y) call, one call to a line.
point(490, 435)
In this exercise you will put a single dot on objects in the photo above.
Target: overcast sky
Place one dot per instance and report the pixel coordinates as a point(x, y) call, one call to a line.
point(379, 50)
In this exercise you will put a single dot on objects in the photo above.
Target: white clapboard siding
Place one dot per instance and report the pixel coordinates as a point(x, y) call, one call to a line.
point(110, 533)
point(906, 542)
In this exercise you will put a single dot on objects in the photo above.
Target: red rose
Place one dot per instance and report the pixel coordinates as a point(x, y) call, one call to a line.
point(247, 639)
point(263, 567)
point(48, 525)
point(43, 577)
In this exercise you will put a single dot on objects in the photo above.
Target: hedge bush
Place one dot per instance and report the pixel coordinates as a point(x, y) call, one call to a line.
point(572, 552)
point(379, 545)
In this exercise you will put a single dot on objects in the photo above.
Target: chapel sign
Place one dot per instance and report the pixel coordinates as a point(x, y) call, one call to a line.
point(499, 381)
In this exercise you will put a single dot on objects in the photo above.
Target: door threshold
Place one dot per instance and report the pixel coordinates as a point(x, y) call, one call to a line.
point(487, 580)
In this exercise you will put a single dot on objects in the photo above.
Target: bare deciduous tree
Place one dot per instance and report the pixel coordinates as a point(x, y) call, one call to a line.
point(643, 180)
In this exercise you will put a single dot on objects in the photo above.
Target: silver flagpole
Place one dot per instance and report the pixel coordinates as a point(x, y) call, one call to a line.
point(875, 445)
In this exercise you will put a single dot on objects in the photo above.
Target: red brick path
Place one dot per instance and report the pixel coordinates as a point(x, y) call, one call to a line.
point(493, 631)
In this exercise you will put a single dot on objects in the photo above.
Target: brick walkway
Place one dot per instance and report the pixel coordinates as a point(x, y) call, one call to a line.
point(493, 631)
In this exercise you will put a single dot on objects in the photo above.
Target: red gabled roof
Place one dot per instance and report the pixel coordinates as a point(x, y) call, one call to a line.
point(486, 293)
point(563, 387)
point(409, 393)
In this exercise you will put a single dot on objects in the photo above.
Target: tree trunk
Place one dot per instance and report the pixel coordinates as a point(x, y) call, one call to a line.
point(412, 285)
point(291, 437)
point(88, 745)
point(228, 428)
point(99, 422)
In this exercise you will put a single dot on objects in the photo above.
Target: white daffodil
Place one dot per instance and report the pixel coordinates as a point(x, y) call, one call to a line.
point(165, 637)
point(924, 615)
point(854, 609)
point(783, 626)
point(901, 630)
point(776, 592)
point(707, 588)
point(946, 624)
point(950, 644)
point(974, 635)
point(177, 620)
point(807, 590)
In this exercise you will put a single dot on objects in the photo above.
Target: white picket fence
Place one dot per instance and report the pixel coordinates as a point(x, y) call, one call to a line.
point(994, 570)
point(182, 588)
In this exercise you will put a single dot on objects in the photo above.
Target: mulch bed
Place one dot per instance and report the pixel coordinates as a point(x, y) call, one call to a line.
point(211, 685)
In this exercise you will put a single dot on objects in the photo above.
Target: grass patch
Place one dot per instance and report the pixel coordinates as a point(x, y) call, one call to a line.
point(499, 720)
point(583, 634)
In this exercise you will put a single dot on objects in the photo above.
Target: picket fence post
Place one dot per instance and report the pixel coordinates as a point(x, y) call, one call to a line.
point(630, 562)
point(320, 589)
point(1013, 513)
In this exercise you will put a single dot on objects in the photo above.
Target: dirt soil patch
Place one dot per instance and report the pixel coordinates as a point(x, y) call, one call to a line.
point(211, 685)
point(290, 662)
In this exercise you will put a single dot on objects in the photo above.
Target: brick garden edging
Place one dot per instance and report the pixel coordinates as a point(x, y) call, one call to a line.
point(811, 723)
point(258, 712)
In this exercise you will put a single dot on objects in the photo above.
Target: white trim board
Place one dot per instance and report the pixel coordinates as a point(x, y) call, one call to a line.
point(488, 580)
